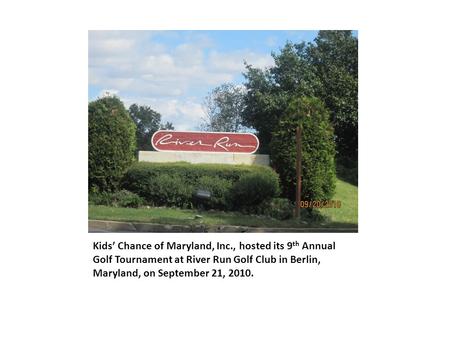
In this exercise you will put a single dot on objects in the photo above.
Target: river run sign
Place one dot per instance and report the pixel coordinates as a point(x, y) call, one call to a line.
point(211, 142)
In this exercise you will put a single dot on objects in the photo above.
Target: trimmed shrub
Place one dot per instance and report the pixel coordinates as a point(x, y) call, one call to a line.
point(112, 142)
point(122, 198)
point(165, 189)
point(318, 150)
point(254, 188)
point(173, 184)
point(219, 188)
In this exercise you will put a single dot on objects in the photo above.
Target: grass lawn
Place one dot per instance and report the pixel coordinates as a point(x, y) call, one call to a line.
point(344, 217)
point(348, 212)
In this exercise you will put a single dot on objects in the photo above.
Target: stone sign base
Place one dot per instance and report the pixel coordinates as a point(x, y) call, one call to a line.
point(194, 157)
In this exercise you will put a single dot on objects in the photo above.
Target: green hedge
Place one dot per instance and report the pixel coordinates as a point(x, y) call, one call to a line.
point(252, 189)
point(318, 150)
point(174, 184)
point(112, 142)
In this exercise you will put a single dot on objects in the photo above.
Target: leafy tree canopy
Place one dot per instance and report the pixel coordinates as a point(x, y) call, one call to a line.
point(167, 126)
point(223, 108)
point(326, 69)
point(335, 59)
point(147, 122)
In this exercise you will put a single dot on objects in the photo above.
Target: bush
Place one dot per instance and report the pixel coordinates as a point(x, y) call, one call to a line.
point(318, 150)
point(100, 198)
point(254, 188)
point(127, 199)
point(165, 189)
point(219, 188)
point(173, 184)
point(122, 198)
point(112, 142)
point(279, 208)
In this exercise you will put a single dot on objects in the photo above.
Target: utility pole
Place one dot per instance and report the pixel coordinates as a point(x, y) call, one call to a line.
point(298, 191)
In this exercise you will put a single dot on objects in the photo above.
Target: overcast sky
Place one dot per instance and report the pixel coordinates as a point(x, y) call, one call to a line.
point(172, 71)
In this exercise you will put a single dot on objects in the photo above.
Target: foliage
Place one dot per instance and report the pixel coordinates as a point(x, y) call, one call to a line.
point(318, 151)
point(121, 198)
point(223, 107)
point(254, 188)
point(147, 122)
point(335, 59)
point(173, 184)
point(326, 68)
point(111, 143)
point(165, 189)
point(278, 208)
point(344, 217)
point(219, 188)
point(270, 91)
point(167, 126)
point(100, 198)
point(347, 172)
point(127, 199)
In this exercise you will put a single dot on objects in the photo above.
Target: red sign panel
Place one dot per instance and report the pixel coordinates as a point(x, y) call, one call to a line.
point(169, 140)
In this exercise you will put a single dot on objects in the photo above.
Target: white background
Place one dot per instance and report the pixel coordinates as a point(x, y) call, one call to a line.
point(390, 280)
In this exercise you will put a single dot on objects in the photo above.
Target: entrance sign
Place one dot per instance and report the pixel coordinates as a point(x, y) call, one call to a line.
point(200, 141)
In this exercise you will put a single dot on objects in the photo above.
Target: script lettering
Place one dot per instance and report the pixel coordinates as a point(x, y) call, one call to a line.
point(165, 140)
point(218, 142)
point(224, 145)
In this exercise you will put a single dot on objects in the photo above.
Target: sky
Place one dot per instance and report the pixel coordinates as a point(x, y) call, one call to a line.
point(173, 71)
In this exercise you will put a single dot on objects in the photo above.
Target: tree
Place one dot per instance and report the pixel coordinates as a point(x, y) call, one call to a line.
point(147, 122)
point(167, 126)
point(270, 91)
point(112, 143)
point(334, 56)
point(223, 108)
point(326, 68)
point(318, 150)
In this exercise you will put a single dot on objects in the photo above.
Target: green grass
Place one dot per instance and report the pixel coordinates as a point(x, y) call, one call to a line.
point(177, 216)
point(348, 212)
point(344, 217)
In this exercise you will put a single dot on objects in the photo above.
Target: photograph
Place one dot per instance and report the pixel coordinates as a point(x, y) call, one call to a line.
point(252, 169)
point(223, 131)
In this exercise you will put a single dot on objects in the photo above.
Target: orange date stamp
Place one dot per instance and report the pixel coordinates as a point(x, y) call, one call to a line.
point(320, 204)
